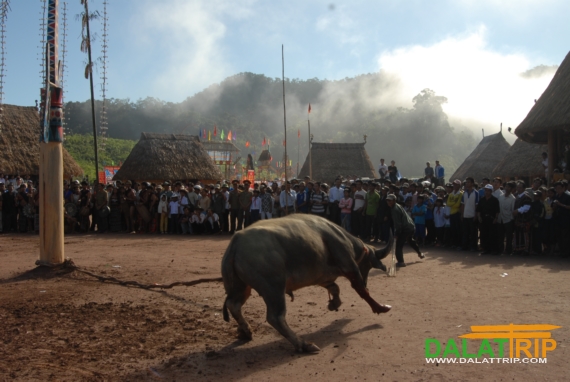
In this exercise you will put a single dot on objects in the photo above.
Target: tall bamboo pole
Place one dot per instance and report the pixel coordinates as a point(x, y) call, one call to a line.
point(90, 73)
point(51, 155)
point(310, 153)
point(284, 118)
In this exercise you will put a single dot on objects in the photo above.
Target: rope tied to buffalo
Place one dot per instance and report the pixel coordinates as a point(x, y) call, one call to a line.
point(68, 264)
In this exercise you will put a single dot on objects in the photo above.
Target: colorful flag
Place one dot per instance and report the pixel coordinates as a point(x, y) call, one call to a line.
point(284, 142)
point(264, 142)
point(290, 163)
point(309, 108)
point(215, 131)
point(299, 133)
point(209, 135)
point(222, 135)
point(234, 136)
point(230, 136)
point(247, 144)
point(204, 133)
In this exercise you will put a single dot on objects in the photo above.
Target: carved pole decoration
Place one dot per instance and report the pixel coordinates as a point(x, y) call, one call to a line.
point(51, 156)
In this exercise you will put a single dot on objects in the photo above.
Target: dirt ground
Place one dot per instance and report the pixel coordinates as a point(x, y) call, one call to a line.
point(68, 327)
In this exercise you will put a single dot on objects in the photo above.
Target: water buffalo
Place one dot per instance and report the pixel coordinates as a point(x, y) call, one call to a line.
point(278, 256)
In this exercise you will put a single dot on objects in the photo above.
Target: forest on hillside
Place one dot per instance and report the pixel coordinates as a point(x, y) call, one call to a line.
point(251, 106)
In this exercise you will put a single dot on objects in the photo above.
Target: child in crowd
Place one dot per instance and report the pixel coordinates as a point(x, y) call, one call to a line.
point(345, 205)
point(418, 214)
point(186, 221)
point(439, 221)
point(212, 222)
point(255, 207)
point(163, 212)
point(174, 206)
point(197, 221)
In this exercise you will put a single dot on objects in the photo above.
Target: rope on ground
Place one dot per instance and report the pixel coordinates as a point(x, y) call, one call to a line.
point(69, 264)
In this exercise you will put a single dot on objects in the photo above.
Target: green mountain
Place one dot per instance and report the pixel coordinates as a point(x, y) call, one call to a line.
point(251, 106)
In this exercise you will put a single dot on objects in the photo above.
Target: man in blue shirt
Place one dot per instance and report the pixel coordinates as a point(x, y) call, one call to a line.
point(302, 198)
point(439, 174)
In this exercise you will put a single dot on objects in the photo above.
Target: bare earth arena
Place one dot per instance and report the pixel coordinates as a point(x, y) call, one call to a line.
point(68, 326)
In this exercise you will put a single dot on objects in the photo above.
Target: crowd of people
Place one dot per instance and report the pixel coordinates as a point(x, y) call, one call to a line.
point(492, 217)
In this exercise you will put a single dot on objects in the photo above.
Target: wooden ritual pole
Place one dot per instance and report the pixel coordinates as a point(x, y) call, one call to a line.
point(284, 120)
point(51, 156)
point(310, 156)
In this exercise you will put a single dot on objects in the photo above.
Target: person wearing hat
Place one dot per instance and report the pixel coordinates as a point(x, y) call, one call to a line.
point(404, 228)
point(174, 208)
point(218, 204)
point(193, 197)
point(454, 203)
point(523, 217)
point(488, 211)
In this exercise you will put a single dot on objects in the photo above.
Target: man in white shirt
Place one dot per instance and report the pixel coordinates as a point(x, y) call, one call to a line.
point(287, 200)
point(335, 195)
point(469, 202)
point(497, 182)
point(357, 218)
point(506, 222)
point(255, 208)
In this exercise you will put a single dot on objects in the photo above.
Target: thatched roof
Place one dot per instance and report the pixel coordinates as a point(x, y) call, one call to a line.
point(20, 144)
point(551, 111)
point(265, 155)
point(333, 159)
point(522, 160)
point(481, 162)
point(219, 146)
point(160, 157)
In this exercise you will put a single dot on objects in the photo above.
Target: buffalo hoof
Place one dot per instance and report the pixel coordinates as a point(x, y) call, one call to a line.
point(310, 348)
point(244, 335)
point(334, 304)
point(381, 308)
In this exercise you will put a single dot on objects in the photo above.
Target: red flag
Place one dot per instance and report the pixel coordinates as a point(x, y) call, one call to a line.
point(247, 144)
point(299, 134)
point(309, 108)
point(215, 131)
point(264, 142)
point(204, 133)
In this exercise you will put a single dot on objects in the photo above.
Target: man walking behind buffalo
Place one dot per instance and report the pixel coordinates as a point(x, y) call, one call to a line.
point(404, 230)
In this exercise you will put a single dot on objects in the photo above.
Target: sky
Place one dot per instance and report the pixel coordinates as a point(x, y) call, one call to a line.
point(471, 51)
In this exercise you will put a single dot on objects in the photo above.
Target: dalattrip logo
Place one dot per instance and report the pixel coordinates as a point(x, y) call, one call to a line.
point(495, 344)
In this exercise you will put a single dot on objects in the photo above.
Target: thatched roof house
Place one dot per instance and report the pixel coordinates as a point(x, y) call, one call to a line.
point(20, 144)
point(551, 111)
point(333, 159)
point(522, 161)
point(265, 156)
point(483, 160)
point(160, 157)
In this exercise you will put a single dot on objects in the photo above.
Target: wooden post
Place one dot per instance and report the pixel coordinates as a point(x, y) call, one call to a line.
point(551, 155)
point(51, 155)
point(51, 204)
